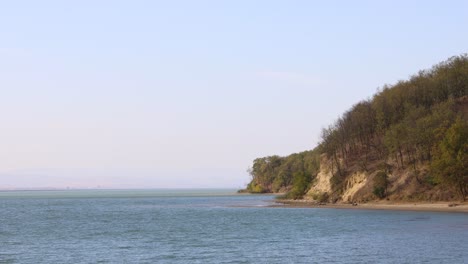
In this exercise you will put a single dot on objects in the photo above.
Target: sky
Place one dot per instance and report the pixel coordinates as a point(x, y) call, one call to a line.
point(186, 94)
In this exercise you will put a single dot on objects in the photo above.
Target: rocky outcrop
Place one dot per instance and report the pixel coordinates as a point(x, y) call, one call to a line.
point(321, 185)
point(354, 186)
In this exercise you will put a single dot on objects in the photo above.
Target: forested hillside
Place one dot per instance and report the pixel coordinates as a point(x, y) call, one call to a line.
point(409, 141)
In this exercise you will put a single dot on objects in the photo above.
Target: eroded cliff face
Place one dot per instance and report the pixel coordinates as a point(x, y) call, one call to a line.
point(321, 186)
point(358, 185)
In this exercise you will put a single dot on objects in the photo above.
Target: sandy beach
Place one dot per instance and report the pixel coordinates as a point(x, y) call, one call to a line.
point(455, 207)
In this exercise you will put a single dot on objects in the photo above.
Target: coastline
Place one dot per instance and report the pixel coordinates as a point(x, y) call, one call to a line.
point(451, 207)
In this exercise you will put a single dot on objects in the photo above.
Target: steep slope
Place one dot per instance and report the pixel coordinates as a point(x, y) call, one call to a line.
point(409, 142)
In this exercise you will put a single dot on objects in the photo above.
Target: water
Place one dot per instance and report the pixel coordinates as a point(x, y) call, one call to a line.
point(215, 226)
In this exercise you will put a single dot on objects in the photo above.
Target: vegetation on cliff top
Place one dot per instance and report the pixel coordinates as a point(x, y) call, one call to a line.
point(420, 122)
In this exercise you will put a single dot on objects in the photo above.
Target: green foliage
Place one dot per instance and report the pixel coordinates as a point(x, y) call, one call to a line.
point(255, 188)
point(379, 192)
point(276, 174)
point(380, 184)
point(451, 159)
point(300, 184)
point(320, 197)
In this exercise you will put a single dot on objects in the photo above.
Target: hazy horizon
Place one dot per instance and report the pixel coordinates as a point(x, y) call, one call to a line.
point(186, 94)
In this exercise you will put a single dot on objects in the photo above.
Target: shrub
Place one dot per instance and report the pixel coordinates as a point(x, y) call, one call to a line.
point(380, 184)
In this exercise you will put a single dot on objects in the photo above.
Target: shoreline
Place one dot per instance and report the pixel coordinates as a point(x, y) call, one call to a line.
point(450, 207)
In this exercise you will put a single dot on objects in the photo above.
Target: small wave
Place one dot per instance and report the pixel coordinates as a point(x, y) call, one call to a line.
point(419, 218)
point(124, 247)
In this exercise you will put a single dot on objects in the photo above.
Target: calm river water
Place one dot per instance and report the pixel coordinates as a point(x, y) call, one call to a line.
point(215, 226)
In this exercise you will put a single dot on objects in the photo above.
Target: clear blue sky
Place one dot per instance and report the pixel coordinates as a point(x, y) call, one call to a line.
point(129, 94)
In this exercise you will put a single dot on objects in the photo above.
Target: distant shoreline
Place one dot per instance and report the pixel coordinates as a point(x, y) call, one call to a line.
point(452, 207)
point(107, 189)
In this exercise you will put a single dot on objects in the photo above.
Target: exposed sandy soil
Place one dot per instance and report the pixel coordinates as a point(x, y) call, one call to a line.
point(435, 207)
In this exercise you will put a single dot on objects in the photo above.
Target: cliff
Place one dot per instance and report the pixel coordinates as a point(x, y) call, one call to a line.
point(408, 142)
point(406, 184)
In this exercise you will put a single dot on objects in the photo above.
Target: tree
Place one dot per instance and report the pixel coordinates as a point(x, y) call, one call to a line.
point(451, 160)
point(300, 184)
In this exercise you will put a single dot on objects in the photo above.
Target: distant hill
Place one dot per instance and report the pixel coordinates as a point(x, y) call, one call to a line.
point(409, 142)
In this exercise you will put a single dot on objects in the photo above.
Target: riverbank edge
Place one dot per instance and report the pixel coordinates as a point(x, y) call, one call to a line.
point(452, 207)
